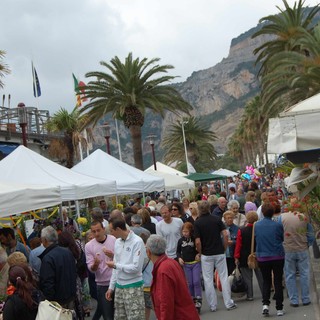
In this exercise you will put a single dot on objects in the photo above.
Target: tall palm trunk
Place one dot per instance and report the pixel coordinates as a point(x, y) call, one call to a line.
point(135, 132)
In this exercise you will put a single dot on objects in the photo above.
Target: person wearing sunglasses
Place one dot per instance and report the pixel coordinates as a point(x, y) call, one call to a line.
point(177, 211)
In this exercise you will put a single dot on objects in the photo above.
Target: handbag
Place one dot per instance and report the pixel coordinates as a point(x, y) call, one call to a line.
point(50, 310)
point(238, 284)
point(252, 259)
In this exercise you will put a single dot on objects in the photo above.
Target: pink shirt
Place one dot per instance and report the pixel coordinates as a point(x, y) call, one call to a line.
point(93, 247)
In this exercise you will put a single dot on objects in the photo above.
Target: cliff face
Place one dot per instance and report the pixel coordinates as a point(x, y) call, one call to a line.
point(219, 94)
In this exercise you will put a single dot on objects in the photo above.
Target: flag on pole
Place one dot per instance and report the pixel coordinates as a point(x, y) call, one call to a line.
point(36, 83)
point(76, 90)
point(81, 86)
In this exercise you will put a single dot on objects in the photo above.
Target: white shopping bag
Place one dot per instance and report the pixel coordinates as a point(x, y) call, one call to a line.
point(53, 311)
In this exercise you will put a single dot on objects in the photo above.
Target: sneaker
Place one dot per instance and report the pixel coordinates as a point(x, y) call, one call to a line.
point(249, 299)
point(265, 310)
point(198, 304)
point(280, 313)
point(213, 309)
point(306, 303)
point(234, 306)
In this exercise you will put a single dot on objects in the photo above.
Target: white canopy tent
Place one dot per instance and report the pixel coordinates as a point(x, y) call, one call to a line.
point(296, 129)
point(166, 169)
point(171, 181)
point(26, 166)
point(225, 172)
point(129, 179)
point(16, 198)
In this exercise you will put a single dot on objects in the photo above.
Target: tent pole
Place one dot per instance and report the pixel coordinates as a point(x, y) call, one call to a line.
point(77, 208)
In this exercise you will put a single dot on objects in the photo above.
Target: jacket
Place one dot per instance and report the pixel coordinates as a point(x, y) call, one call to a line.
point(243, 245)
point(269, 237)
point(58, 274)
point(170, 295)
point(16, 309)
point(129, 256)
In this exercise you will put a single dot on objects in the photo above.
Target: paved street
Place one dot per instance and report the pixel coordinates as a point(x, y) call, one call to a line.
point(251, 310)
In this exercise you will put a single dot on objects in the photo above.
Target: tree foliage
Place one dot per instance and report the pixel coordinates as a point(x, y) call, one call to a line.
point(199, 144)
point(126, 90)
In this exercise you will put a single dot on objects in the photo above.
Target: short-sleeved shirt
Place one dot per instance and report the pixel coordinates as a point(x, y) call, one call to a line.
point(208, 228)
point(172, 233)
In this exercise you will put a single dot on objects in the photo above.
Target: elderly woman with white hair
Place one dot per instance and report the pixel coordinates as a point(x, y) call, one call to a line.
point(169, 291)
point(239, 219)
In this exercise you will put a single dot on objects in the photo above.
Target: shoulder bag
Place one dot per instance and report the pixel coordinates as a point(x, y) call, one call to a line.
point(252, 259)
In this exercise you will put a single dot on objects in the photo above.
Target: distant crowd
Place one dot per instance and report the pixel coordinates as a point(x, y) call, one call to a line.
point(158, 255)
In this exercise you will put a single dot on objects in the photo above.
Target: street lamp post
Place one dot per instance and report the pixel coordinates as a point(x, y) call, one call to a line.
point(23, 121)
point(107, 136)
point(151, 141)
point(185, 144)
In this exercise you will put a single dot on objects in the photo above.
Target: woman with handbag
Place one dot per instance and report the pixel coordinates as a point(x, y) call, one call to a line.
point(270, 255)
point(242, 251)
point(24, 302)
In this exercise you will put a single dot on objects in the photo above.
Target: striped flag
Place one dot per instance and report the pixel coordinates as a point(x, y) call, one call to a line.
point(79, 89)
point(36, 83)
point(76, 90)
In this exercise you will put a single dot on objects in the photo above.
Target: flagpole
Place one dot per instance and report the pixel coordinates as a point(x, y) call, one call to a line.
point(185, 144)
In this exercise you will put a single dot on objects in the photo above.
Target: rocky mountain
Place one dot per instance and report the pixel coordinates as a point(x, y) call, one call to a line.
point(218, 95)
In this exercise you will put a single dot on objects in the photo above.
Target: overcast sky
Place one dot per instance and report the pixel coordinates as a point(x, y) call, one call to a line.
point(67, 36)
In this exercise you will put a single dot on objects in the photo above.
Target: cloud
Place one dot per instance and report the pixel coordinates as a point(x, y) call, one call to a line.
point(65, 37)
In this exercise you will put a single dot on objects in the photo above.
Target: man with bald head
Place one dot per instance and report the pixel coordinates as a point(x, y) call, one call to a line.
point(221, 208)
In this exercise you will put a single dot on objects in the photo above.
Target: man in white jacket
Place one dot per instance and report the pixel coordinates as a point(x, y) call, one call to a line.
point(126, 281)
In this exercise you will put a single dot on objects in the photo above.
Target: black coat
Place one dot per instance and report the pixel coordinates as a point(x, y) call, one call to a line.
point(16, 309)
point(246, 235)
point(58, 274)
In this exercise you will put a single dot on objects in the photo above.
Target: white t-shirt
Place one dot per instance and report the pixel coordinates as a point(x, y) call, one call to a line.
point(172, 233)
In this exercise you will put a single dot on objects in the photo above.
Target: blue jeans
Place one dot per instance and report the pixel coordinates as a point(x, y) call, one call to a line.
point(297, 261)
point(105, 308)
point(193, 275)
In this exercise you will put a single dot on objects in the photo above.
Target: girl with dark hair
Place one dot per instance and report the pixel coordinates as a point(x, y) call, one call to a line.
point(24, 302)
point(189, 259)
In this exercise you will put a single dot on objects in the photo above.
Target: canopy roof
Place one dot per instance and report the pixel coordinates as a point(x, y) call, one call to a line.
point(308, 105)
point(17, 198)
point(296, 129)
point(129, 179)
point(205, 177)
point(225, 172)
point(26, 166)
point(164, 168)
point(172, 181)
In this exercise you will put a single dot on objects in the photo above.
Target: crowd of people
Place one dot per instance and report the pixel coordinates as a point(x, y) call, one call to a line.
point(159, 254)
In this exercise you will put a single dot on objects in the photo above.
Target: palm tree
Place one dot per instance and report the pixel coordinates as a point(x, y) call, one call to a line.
point(284, 28)
point(293, 73)
point(199, 145)
point(71, 125)
point(4, 69)
point(127, 90)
